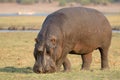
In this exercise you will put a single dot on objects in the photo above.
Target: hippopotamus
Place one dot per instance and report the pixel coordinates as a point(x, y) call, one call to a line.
point(74, 30)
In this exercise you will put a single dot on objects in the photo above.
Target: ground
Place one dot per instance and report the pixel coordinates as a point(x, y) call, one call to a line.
point(48, 8)
point(16, 60)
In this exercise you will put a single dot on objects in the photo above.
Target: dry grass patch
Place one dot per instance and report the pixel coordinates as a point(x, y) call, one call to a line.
point(16, 60)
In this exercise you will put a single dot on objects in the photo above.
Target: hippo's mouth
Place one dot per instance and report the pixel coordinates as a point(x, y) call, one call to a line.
point(38, 71)
point(48, 68)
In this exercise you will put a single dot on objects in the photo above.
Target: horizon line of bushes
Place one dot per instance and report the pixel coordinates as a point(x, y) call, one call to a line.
point(61, 2)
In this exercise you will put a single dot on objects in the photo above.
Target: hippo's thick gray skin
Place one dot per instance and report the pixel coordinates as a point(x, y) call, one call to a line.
point(75, 30)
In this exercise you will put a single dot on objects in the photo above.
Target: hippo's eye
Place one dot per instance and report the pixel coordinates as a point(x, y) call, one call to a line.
point(53, 41)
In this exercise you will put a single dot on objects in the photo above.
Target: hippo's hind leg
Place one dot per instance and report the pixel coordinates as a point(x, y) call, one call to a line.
point(104, 58)
point(66, 65)
point(86, 61)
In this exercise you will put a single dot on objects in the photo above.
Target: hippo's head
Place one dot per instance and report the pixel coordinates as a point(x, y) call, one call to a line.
point(45, 55)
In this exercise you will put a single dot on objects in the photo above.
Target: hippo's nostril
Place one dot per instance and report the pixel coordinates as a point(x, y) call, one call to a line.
point(38, 71)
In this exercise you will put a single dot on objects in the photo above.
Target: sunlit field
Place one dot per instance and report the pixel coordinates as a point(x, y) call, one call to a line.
point(21, 22)
point(16, 60)
point(114, 20)
point(35, 22)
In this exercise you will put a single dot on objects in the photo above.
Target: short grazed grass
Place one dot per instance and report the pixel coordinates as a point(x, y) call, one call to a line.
point(16, 60)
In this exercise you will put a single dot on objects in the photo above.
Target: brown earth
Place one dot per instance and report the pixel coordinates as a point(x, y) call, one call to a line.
point(48, 8)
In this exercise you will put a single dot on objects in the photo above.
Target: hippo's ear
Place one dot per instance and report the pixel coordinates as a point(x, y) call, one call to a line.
point(36, 40)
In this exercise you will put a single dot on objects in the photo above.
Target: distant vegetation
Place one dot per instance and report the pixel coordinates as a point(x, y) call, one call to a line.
point(35, 22)
point(61, 2)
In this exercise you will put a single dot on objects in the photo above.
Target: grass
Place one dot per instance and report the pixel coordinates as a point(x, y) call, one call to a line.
point(20, 22)
point(114, 20)
point(35, 22)
point(16, 60)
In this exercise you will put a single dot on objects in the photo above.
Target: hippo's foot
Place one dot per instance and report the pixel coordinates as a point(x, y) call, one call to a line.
point(85, 68)
point(68, 70)
point(105, 68)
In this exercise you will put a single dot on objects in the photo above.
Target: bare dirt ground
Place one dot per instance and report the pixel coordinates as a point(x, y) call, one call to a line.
point(48, 8)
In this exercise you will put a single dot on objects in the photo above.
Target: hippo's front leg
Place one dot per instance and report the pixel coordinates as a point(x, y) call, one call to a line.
point(86, 61)
point(66, 65)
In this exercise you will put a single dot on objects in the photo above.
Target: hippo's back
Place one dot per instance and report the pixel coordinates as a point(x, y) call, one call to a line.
point(85, 19)
point(88, 26)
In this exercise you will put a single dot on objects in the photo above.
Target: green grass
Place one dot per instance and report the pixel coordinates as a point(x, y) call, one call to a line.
point(35, 22)
point(114, 20)
point(19, 22)
point(16, 60)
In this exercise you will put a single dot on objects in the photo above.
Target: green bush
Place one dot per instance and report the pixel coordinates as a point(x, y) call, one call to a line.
point(11, 0)
point(84, 2)
point(27, 1)
point(100, 1)
point(62, 2)
point(7, 0)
